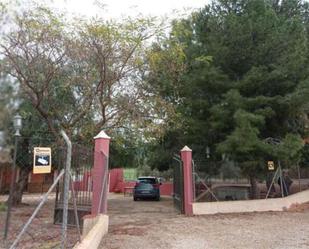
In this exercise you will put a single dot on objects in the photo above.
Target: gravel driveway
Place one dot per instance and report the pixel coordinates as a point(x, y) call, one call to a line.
point(150, 225)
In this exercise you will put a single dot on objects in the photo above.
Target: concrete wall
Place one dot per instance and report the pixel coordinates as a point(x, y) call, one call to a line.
point(262, 205)
point(94, 229)
point(167, 188)
point(116, 180)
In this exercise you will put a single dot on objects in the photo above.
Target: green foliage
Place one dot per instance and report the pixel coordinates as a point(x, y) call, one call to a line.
point(129, 174)
point(228, 77)
point(146, 170)
point(290, 148)
point(81, 75)
point(243, 78)
point(123, 152)
point(304, 162)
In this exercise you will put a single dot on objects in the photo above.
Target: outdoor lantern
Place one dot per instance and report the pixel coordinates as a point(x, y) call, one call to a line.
point(207, 152)
point(2, 139)
point(17, 122)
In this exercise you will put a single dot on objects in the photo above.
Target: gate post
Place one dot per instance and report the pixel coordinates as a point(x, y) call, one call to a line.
point(101, 149)
point(186, 157)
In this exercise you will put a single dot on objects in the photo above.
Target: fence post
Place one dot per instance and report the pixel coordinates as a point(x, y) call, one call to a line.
point(66, 190)
point(101, 149)
point(186, 157)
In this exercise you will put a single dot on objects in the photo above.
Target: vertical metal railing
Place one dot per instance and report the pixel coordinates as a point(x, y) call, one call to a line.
point(178, 184)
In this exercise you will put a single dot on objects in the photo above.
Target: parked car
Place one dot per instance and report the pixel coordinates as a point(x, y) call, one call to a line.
point(147, 187)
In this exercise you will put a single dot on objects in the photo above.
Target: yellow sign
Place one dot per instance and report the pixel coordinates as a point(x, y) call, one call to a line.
point(271, 165)
point(41, 160)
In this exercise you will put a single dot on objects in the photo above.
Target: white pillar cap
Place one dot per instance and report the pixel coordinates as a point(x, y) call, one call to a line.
point(102, 134)
point(186, 148)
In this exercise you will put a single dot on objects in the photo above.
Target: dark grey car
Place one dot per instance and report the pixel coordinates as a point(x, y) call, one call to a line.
point(146, 188)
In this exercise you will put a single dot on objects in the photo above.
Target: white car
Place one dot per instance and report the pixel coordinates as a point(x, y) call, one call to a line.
point(43, 161)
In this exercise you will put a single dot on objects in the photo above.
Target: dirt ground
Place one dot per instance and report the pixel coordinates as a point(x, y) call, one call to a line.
point(151, 225)
point(42, 233)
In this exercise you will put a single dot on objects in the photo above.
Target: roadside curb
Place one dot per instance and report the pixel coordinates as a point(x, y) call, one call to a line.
point(94, 230)
point(260, 205)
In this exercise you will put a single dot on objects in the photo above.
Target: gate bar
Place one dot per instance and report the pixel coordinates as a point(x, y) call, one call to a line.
point(66, 189)
point(75, 208)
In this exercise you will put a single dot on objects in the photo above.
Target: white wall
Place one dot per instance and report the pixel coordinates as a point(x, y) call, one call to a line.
point(93, 231)
point(262, 205)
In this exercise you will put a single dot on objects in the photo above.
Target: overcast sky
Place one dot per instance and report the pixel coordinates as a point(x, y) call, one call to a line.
point(118, 8)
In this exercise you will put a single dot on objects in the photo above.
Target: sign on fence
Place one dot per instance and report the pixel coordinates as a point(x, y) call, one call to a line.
point(271, 165)
point(41, 160)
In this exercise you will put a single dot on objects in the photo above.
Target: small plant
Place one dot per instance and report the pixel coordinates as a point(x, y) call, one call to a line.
point(2, 207)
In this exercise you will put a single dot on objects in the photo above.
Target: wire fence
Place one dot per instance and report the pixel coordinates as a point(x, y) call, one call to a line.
point(225, 181)
point(38, 205)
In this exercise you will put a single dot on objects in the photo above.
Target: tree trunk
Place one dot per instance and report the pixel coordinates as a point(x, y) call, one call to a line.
point(1, 178)
point(20, 186)
point(254, 188)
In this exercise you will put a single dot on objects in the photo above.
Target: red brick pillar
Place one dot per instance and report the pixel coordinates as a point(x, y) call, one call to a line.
point(186, 157)
point(101, 151)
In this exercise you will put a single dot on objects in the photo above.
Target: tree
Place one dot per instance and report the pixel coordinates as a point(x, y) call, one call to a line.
point(184, 76)
point(265, 51)
point(245, 79)
point(6, 104)
point(80, 76)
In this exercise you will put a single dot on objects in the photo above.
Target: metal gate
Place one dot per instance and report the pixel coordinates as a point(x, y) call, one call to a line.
point(178, 184)
point(80, 188)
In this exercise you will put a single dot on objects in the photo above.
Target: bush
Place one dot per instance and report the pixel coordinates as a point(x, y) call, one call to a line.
point(147, 171)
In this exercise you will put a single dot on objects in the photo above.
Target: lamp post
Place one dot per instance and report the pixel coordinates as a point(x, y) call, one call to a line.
point(17, 123)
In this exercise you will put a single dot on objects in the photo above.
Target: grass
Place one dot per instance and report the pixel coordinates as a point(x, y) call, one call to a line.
point(130, 174)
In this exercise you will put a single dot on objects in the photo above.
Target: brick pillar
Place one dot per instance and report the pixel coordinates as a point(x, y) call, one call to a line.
point(101, 150)
point(186, 157)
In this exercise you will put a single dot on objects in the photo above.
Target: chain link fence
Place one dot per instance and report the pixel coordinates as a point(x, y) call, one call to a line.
point(225, 180)
point(44, 230)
